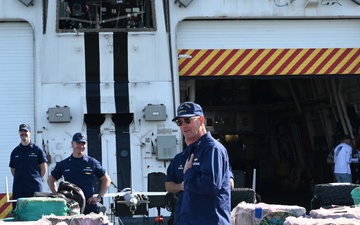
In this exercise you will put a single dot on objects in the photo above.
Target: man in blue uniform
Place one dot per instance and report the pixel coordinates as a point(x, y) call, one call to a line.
point(174, 181)
point(28, 166)
point(81, 169)
point(206, 197)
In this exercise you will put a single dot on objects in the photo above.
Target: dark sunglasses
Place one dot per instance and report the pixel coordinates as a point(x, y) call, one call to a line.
point(187, 120)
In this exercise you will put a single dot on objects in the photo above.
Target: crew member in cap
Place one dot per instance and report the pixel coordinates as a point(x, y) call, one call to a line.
point(28, 165)
point(174, 181)
point(342, 160)
point(206, 197)
point(81, 169)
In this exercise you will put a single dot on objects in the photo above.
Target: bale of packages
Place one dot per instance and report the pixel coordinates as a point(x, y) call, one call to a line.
point(33, 208)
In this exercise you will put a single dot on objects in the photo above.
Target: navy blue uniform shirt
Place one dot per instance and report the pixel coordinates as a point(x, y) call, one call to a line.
point(27, 177)
point(206, 197)
point(81, 172)
point(175, 173)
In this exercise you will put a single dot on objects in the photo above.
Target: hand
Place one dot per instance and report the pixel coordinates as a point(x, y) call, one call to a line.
point(189, 163)
point(94, 200)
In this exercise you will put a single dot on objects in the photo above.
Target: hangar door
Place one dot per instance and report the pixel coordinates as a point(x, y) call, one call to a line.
point(16, 89)
point(278, 118)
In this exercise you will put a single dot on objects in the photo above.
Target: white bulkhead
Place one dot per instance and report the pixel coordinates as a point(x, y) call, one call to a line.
point(118, 78)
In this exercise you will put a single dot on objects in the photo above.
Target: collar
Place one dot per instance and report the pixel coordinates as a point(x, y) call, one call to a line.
point(84, 158)
point(192, 147)
point(31, 145)
point(202, 139)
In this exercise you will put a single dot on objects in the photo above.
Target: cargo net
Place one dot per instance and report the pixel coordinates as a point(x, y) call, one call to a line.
point(275, 218)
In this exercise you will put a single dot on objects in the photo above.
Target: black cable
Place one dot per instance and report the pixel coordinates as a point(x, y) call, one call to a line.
point(118, 190)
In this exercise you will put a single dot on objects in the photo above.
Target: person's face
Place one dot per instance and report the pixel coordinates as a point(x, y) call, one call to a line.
point(24, 135)
point(190, 127)
point(78, 148)
point(348, 141)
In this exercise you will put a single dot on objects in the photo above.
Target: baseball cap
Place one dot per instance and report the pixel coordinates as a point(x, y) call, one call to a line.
point(24, 126)
point(188, 109)
point(79, 137)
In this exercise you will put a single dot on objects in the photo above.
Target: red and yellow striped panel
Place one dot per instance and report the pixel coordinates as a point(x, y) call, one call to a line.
point(245, 62)
point(5, 207)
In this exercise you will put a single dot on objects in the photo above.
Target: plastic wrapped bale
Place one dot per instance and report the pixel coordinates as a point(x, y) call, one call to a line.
point(355, 194)
point(244, 213)
point(89, 219)
point(291, 220)
point(32, 209)
point(238, 195)
point(348, 212)
point(332, 194)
